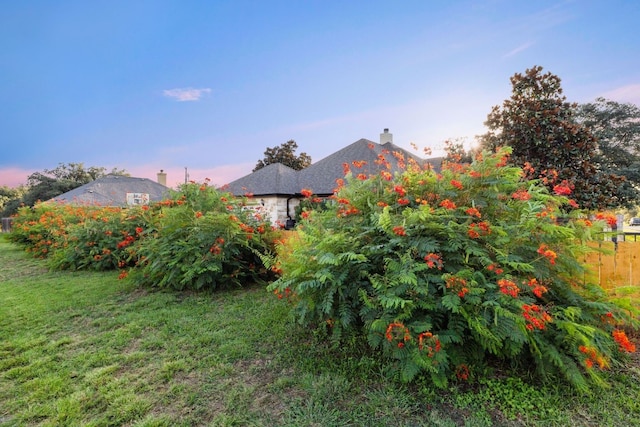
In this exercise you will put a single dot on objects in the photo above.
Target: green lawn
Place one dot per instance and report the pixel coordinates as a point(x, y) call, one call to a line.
point(84, 349)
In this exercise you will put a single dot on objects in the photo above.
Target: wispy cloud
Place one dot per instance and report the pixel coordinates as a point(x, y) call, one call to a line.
point(628, 93)
point(186, 93)
point(519, 49)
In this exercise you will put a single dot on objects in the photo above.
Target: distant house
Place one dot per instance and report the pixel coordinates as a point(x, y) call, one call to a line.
point(116, 190)
point(276, 189)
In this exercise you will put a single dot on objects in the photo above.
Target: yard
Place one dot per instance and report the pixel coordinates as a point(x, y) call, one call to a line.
point(83, 348)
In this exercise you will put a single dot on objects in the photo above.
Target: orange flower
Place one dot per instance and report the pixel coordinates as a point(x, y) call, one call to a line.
point(547, 253)
point(623, 341)
point(397, 331)
point(535, 316)
point(386, 175)
point(563, 189)
point(473, 212)
point(457, 184)
point(433, 260)
point(429, 342)
point(495, 268)
point(508, 287)
point(306, 192)
point(359, 164)
point(448, 204)
point(462, 372)
point(400, 190)
point(472, 232)
point(399, 230)
point(521, 194)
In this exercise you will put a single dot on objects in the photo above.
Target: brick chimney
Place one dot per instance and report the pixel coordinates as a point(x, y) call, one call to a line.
point(386, 137)
point(162, 178)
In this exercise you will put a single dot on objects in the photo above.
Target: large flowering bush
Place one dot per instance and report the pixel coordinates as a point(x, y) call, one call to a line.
point(73, 236)
point(446, 272)
point(201, 238)
point(100, 241)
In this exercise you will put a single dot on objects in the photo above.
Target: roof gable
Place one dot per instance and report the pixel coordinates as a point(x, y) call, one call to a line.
point(111, 190)
point(320, 177)
point(275, 178)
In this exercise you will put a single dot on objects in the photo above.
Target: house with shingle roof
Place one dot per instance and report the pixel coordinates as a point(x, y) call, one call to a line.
point(276, 189)
point(116, 190)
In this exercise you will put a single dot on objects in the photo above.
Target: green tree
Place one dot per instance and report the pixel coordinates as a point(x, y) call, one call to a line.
point(10, 196)
point(539, 124)
point(285, 154)
point(616, 127)
point(50, 183)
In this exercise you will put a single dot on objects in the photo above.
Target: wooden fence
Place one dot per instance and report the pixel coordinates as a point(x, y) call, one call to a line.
point(618, 267)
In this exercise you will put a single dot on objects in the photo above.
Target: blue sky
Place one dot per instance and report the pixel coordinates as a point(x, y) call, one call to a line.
point(209, 85)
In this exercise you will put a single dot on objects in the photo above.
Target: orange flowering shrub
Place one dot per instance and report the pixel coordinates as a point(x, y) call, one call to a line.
point(444, 272)
point(201, 238)
point(77, 236)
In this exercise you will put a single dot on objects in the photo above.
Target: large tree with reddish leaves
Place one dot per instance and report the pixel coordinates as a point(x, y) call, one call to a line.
point(547, 141)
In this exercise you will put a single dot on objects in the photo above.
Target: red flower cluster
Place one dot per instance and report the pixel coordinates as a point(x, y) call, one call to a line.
point(215, 248)
point(462, 372)
point(359, 164)
point(429, 342)
point(433, 260)
point(345, 209)
point(386, 175)
point(563, 189)
point(458, 284)
point(508, 287)
point(400, 190)
point(399, 230)
point(396, 331)
point(306, 192)
point(495, 268)
point(473, 212)
point(478, 229)
point(547, 253)
point(609, 218)
point(538, 289)
point(592, 356)
point(457, 184)
point(535, 316)
point(448, 204)
point(286, 294)
point(521, 194)
point(623, 341)
point(128, 239)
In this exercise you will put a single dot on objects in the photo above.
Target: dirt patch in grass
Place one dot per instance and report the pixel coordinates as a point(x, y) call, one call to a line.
point(268, 391)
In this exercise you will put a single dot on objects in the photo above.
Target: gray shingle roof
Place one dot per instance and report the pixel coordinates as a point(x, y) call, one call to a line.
point(111, 190)
point(277, 179)
point(273, 179)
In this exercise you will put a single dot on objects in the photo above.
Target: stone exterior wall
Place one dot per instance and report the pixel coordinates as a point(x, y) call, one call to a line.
point(275, 208)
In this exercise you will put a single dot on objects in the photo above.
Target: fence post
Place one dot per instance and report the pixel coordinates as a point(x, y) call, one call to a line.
point(6, 224)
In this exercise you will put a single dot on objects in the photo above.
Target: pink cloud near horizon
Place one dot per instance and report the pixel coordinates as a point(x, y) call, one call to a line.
point(218, 176)
point(13, 176)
